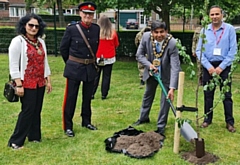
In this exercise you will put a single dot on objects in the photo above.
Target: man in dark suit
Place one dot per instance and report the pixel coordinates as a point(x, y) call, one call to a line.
point(158, 53)
point(80, 66)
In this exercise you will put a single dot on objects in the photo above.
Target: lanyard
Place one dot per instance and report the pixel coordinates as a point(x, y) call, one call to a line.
point(220, 37)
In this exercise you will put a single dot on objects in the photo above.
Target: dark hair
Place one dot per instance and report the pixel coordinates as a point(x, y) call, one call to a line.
point(24, 20)
point(158, 24)
point(216, 6)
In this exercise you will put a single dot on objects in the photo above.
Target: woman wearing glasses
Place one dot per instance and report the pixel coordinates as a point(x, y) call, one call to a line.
point(29, 68)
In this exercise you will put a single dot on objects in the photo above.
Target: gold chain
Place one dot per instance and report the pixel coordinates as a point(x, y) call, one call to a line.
point(156, 54)
point(34, 44)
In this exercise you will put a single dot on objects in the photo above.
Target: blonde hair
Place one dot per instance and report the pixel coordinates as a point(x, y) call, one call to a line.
point(106, 30)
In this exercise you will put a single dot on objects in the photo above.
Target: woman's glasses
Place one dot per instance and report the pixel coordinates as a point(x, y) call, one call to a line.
point(32, 25)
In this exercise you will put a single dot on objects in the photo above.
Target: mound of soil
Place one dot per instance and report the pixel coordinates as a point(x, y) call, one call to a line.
point(206, 159)
point(140, 146)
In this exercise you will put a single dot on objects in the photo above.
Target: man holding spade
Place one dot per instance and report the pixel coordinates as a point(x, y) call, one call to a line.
point(162, 58)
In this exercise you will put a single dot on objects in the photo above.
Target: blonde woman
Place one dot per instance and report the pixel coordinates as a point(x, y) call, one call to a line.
point(107, 54)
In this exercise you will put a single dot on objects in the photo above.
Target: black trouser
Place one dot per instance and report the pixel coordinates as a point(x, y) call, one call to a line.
point(106, 79)
point(29, 119)
point(209, 96)
point(71, 100)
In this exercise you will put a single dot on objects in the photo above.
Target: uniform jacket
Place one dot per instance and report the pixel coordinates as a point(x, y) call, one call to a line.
point(139, 36)
point(73, 44)
point(170, 63)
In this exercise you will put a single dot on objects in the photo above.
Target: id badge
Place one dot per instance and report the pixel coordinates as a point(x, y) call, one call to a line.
point(217, 51)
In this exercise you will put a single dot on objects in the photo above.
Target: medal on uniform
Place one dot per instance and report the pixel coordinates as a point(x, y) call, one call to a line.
point(156, 62)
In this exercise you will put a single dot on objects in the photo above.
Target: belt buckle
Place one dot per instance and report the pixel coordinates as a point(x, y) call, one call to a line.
point(86, 61)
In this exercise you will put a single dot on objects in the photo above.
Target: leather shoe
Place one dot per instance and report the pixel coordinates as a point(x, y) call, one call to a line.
point(159, 131)
point(14, 146)
point(90, 126)
point(230, 128)
point(138, 122)
point(205, 125)
point(35, 141)
point(104, 97)
point(69, 133)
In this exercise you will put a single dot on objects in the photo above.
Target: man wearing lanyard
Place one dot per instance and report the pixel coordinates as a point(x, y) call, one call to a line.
point(217, 57)
point(157, 52)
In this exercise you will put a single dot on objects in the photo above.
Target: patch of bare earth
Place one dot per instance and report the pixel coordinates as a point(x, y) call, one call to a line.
point(206, 159)
point(140, 146)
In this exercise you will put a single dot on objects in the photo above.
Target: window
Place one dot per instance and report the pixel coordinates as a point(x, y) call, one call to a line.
point(142, 18)
point(16, 12)
point(12, 12)
point(21, 12)
point(2, 6)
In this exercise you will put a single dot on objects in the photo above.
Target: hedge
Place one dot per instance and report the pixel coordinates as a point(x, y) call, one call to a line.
point(126, 38)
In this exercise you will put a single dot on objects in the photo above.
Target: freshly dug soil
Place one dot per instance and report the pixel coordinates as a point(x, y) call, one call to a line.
point(140, 146)
point(206, 159)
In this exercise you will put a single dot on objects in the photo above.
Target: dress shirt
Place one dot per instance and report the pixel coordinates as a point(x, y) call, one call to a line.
point(223, 38)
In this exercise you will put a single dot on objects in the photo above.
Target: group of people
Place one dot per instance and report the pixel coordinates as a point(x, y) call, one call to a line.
point(82, 47)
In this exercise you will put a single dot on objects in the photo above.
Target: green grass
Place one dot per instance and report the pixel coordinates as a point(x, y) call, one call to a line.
point(117, 112)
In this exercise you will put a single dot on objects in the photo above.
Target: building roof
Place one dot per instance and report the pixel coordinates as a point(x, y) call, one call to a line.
point(17, 5)
point(6, 1)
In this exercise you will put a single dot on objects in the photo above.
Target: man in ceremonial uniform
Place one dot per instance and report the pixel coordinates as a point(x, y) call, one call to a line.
point(80, 66)
point(162, 57)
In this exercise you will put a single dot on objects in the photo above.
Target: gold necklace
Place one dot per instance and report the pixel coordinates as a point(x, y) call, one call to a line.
point(34, 44)
point(156, 54)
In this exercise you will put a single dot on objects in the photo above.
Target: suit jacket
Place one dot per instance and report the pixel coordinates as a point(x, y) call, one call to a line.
point(170, 63)
point(73, 44)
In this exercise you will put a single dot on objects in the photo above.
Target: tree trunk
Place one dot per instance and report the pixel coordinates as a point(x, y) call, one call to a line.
point(60, 13)
point(28, 6)
point(165, 10)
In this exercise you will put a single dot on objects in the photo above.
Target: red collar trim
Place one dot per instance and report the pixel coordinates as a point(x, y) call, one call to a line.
point(84, 25)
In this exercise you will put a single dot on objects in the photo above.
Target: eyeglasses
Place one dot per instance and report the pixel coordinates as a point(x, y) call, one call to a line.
point(32, 25)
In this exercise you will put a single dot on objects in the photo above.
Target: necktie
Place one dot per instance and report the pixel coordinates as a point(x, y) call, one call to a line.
point(158, 48)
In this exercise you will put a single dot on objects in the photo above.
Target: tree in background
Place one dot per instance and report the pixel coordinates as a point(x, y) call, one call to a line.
point(166, 7)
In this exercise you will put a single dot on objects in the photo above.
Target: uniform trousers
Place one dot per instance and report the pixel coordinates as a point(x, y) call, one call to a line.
point(29, 119)
point(209, 96)
point(151, 86)
point(72, 88)
point(106, 79)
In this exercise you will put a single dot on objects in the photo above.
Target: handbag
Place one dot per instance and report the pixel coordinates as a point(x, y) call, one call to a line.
point(100, 62)
point(10, 91)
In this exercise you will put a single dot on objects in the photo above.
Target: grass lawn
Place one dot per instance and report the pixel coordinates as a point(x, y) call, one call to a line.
point(117, 112)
